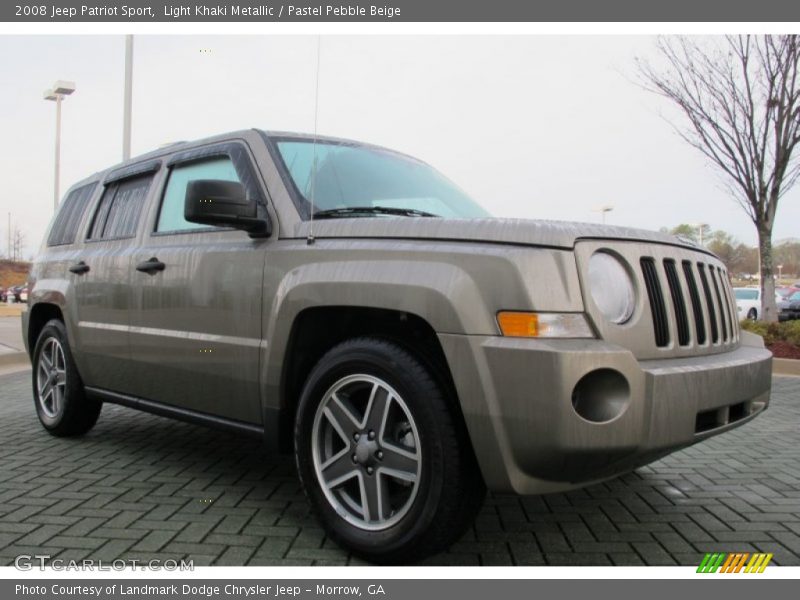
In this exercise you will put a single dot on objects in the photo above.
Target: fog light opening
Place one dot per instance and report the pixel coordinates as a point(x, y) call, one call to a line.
point(601, 396)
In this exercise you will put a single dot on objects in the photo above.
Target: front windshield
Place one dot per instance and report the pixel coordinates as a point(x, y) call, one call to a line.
point(351, 176)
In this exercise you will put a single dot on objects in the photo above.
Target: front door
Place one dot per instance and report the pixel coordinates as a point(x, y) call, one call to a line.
point(195, 334)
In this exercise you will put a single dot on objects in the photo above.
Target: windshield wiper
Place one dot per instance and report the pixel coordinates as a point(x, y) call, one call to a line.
point(355, 211)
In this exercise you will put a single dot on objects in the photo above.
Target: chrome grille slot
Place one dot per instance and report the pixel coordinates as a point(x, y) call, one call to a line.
point(678, 302)
point(723, 317)
point(697, 309)
point(657, 305)
point(728, 293)
point(712, 313)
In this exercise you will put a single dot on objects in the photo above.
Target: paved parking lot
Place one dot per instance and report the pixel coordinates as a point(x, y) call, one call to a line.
point(142, 487)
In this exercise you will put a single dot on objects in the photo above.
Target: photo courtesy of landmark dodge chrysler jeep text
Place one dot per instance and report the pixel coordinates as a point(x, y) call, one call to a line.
point(409, 349)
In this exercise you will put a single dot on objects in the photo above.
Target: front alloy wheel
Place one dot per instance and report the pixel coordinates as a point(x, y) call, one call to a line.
point(382, 454)
point(366, 452)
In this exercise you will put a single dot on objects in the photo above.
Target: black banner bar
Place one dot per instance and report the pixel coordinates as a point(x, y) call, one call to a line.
point(738, 587)
point(152, 11)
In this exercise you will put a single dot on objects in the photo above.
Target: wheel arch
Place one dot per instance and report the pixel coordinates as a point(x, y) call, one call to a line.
point(38, 316)
point(316, 330)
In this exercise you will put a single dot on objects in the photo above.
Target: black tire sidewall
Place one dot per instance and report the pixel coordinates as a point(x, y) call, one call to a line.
point(383, 361)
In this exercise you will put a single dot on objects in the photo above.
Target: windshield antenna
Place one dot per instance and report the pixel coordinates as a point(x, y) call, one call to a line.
point(310, 240)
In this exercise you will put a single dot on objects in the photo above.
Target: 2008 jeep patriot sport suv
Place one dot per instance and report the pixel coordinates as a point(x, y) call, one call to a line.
point(409, 349)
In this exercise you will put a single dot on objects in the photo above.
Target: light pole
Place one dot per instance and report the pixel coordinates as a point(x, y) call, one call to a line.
point(603, 210)
point(700, 227)
point(126, 117)
point(56, 94)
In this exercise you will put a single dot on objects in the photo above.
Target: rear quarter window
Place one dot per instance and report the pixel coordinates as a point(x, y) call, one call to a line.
point(120, 208)
point(70, 214)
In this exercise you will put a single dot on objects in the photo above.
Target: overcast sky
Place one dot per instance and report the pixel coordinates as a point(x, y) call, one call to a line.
point(547, 127)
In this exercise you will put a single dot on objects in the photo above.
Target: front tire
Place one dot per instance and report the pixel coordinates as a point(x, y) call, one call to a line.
point(384, 463)
point(752, 314)
point(58, 394)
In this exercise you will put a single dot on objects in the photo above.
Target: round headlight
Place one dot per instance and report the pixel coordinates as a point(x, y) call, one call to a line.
point(611, 287)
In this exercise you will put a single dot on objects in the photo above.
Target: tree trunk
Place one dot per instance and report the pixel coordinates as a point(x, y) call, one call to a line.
point(769, 310)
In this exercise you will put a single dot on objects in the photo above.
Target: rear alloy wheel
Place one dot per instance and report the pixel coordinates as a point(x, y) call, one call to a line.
point(51, 378)
point(385, 464)
point(58, 394)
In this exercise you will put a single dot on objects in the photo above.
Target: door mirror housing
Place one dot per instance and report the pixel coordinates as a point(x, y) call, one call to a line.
point(223, 204)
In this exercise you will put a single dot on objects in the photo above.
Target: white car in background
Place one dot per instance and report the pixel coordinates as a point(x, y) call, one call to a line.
point(748, 302)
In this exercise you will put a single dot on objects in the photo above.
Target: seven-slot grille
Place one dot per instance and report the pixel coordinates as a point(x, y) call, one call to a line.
point(684, 290)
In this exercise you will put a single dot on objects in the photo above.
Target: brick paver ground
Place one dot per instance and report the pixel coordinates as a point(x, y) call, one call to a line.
point(142, 487)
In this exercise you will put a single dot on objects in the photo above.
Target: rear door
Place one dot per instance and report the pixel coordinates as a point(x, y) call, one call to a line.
point(102, 288)
point(196, 325)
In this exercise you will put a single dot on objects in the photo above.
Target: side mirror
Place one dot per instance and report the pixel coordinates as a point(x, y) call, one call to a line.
point(222, 204)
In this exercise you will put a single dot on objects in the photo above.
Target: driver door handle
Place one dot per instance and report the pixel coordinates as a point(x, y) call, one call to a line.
point(151, 266)
point(79, 268)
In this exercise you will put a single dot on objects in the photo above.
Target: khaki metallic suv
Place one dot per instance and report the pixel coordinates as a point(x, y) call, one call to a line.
point(349, 304)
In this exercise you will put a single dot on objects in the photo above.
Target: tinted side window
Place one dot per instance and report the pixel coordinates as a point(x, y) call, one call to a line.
point(170, 217)
point(65, 226)
point(120, 207)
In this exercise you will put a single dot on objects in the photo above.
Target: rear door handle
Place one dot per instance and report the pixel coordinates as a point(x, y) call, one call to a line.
point(79, 268)
point(151, 266)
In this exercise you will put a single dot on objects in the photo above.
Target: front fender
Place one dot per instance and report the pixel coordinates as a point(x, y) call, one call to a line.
point(442, 294)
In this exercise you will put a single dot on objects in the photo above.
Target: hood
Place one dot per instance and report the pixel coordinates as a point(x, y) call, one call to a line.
point(553, 234)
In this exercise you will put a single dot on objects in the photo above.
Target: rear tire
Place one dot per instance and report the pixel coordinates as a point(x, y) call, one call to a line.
point(385, 465)
point(58, 393)
point(752, 314)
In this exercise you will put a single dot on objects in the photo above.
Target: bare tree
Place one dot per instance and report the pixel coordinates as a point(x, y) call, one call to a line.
point(741, 96)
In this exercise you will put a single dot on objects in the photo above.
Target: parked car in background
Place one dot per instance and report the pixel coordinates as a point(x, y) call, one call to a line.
point(19, 293)
point(748, 302)
point(16, 293)
point(789, 307)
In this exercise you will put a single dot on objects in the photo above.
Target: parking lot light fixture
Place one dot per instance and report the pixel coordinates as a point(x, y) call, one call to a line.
point(56, 94)
point(603, 210)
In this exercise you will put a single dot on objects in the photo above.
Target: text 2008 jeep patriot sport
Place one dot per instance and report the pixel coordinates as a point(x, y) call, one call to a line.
point(410, 350)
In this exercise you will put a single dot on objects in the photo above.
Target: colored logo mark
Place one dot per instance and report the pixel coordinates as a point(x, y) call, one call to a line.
point(734, 562)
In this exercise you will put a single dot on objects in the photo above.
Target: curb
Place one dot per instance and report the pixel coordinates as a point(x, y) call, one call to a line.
point(13, 359)
point(786, 366)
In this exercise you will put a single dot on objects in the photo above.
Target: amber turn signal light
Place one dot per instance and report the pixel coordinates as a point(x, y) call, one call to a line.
point(518, 324)
point(515, 323)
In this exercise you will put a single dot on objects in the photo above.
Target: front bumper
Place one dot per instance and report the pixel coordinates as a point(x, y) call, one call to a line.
point(516, 395)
